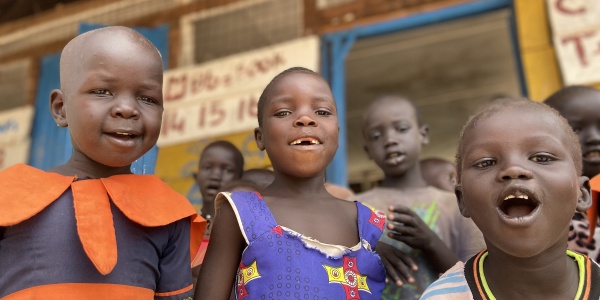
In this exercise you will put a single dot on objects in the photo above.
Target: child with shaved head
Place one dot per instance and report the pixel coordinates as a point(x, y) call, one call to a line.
point(89, 229)
point(519, 179)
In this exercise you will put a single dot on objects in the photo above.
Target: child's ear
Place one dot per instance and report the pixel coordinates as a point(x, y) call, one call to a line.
point(461, 203)
point(57, 108)
point(584, 200)
point(258, 137)
point(424, 130)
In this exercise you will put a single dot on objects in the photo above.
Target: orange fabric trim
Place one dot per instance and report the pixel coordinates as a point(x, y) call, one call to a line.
point(588, 279)
point(144, 199)
point(147, 200)
point(88, 291)
point(196, 235)
point(26, 191)
point(95, 225)
point(177, 292)
point(592, 212)
point(476, 275)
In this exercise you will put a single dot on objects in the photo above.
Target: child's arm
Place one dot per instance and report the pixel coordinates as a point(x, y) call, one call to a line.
point(399, 267)
point(406, 226)
point(174, 264)
point(223, 256)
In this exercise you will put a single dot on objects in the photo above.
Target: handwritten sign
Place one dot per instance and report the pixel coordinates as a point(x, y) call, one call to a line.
point(576, 34)
point(220, 97)
point(15, 125)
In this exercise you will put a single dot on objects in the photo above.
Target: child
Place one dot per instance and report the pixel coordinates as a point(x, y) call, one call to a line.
point(580, 105)
point(424, 222)
point(220, 163)
point(90, 229)
point(294, 240)
point(519, 166)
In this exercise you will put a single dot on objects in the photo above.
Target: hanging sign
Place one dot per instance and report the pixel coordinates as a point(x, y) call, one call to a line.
point(219, 97)
point(576, 35)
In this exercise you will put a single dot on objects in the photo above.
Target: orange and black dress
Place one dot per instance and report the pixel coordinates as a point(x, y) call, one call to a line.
point(120, 237)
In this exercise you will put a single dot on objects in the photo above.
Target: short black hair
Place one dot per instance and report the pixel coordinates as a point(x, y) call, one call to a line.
point(502, 105)
point(388, 97)
point(262, 100)
point(237, 154)
point(562, 96)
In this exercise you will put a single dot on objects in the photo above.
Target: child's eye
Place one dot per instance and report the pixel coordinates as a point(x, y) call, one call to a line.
point(542, 158)
point(101, 92)
point(374, 136)
point(484, 163)
point(402, 128)
point(147, 100)
point(323, 113)
point(282, 113)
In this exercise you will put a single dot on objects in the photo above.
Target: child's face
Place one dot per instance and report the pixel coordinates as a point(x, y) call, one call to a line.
point(113, 103)
point(583, 113)
point(300, 127)
point(393, 137)
point(217, 167)
point(518, 182)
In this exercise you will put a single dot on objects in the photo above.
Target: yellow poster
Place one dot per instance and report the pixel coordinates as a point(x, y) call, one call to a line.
point(177, 164)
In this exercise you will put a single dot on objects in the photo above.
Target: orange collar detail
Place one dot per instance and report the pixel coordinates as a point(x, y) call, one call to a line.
point(592, 212)
point(144, 199)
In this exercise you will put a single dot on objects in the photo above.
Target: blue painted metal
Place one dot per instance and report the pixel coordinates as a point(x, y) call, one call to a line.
point(47, 140)
point(336, 47)
point(51, 145)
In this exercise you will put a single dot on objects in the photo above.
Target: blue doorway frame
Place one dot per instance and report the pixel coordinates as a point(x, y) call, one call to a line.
point(336, 46)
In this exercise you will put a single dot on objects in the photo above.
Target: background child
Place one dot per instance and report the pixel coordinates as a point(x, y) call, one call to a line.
point(424, 221)
point(519, 167)
point(439, 173)
point(90, 229)
point(220, 163)
point(580, 105)
point(294, 240)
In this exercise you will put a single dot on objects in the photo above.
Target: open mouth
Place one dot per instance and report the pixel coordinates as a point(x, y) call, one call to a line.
point(123, 135)
point(516, 206)
point(394, 158)
point(308, 141)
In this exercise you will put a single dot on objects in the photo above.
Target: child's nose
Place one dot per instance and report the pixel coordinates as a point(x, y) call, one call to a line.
point(514, 171)
point(592, 135)
point(305, 120)
point(125, 107)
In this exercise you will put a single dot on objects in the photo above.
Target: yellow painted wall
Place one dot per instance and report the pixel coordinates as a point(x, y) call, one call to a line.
point(540, 65)
point(177, 164)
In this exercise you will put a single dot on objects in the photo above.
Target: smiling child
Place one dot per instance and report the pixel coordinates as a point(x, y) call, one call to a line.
point(580, 105)
point(519, 166)
point(294, 240)
point(90, 229)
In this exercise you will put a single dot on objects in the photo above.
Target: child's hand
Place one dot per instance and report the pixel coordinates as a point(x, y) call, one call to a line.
point(398, 266)
point(407, 227)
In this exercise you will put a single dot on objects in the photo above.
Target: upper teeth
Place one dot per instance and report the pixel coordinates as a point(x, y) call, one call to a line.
point(518, 197)
point(312, 141)
point(393, 155)
point(123, 133)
